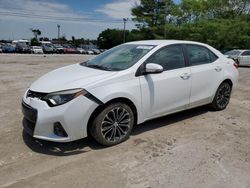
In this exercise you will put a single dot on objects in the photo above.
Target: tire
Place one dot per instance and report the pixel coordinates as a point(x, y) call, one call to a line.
point(113, 125)
point(222, 96)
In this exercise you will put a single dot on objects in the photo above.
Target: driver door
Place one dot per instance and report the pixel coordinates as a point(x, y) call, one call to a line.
point(169, 91)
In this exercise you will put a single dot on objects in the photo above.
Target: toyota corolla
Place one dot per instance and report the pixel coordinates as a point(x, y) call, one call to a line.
point(126, 85)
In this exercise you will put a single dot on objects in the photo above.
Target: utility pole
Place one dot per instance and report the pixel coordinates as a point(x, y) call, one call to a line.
point(124, 29)
point(58, 32)
point(165, 17)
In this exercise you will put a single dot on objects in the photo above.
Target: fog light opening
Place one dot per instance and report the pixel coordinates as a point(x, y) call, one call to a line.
point(59, 130)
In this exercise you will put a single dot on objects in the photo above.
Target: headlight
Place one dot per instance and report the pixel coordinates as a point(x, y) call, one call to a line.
point(62, 97)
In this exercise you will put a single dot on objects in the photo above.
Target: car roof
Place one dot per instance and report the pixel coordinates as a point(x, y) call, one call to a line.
point(239, 50)
point(163, 42)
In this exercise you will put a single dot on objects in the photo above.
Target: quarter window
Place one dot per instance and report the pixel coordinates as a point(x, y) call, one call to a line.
point(170, 57)
point(199, 55)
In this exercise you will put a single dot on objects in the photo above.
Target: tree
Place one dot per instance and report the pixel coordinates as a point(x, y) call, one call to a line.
point(193, 10)
point(220, 23)
point(110, 37)
point(34, 42)
point(226, 9)
point(43, 39)
point(151, 16)
point(36, 33)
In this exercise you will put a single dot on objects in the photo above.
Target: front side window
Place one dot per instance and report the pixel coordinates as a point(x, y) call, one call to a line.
point(199, 55)
point(119, 58)
point(170, 57)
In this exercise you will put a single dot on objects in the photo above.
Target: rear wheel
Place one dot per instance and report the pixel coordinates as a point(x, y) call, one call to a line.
point(113, 125)
point(222, 96)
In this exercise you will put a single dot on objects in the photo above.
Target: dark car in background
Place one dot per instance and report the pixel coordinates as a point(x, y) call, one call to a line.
point(8, 48)
point(23, 48)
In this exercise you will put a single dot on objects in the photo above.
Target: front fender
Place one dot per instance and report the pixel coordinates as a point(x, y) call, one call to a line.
point(129, 89)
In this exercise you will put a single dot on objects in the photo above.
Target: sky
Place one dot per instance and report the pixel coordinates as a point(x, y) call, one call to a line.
point(78, 18)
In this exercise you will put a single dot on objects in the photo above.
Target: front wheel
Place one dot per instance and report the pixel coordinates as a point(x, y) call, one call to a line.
point(222, 96)
point(113, 125)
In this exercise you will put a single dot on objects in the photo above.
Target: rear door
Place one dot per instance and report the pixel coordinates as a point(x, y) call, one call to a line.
point(206, 71)
point(168, 91)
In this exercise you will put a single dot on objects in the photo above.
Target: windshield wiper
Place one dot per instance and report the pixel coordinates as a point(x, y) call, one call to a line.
point(98, 67)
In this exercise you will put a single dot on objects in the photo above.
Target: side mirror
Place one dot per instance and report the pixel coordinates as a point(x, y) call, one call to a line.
point(152, 68)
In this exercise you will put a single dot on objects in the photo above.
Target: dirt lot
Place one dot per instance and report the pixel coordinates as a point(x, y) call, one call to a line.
point(195, 148)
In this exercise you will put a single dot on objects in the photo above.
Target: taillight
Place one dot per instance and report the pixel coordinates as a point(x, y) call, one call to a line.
point(236, 65)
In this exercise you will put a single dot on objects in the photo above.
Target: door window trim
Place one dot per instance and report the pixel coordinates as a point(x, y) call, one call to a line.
point(187, 55)
point(141, 68)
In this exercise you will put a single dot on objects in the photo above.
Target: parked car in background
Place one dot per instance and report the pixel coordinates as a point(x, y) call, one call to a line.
point(81, 51)
point(242, 57)
point(96, 51)
point(48, 48)
point(1, 51)
point(102, 50)
point(68, 49)
point(127, 85)
point(23, 48)
point(8, 48)
point(36, 50)
point(59, 49)
point(90, 52)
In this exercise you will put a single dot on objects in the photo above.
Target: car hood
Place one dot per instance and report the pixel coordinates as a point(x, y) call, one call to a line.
point(69, 77)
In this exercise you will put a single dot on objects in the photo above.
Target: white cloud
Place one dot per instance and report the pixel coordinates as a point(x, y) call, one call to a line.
point(118, 10)
point(17, 27)
point(35, 9)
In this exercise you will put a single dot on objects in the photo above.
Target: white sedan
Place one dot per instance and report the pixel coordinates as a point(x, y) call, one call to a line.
point(241, 56)
point(36, 50)
point(124, 86)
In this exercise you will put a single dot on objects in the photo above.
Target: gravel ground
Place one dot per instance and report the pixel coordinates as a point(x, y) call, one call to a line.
point(195, 148)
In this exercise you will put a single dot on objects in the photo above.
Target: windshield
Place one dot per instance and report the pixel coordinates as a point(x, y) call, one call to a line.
point(119, 58)
point(233, 52)
point(22, 44)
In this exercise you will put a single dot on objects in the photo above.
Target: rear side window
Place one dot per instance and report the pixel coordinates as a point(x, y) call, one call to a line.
point(246, 53)
point(170, 57)
point(199, 55)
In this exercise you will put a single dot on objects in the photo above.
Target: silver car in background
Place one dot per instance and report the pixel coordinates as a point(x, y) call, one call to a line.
point(242, 57)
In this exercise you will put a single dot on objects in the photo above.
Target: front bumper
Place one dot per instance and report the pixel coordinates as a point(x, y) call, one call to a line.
point(39, 119)
point(30, 117)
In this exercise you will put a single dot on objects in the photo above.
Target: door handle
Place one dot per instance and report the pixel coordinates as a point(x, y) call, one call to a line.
point(218, 69)
point(185, 76)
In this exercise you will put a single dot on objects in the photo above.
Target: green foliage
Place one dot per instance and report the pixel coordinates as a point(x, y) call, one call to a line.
point(36, 32)
point(43, 39)
point(219, 33)
point(110, 37)
point(220, 23)
point(34, 42)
